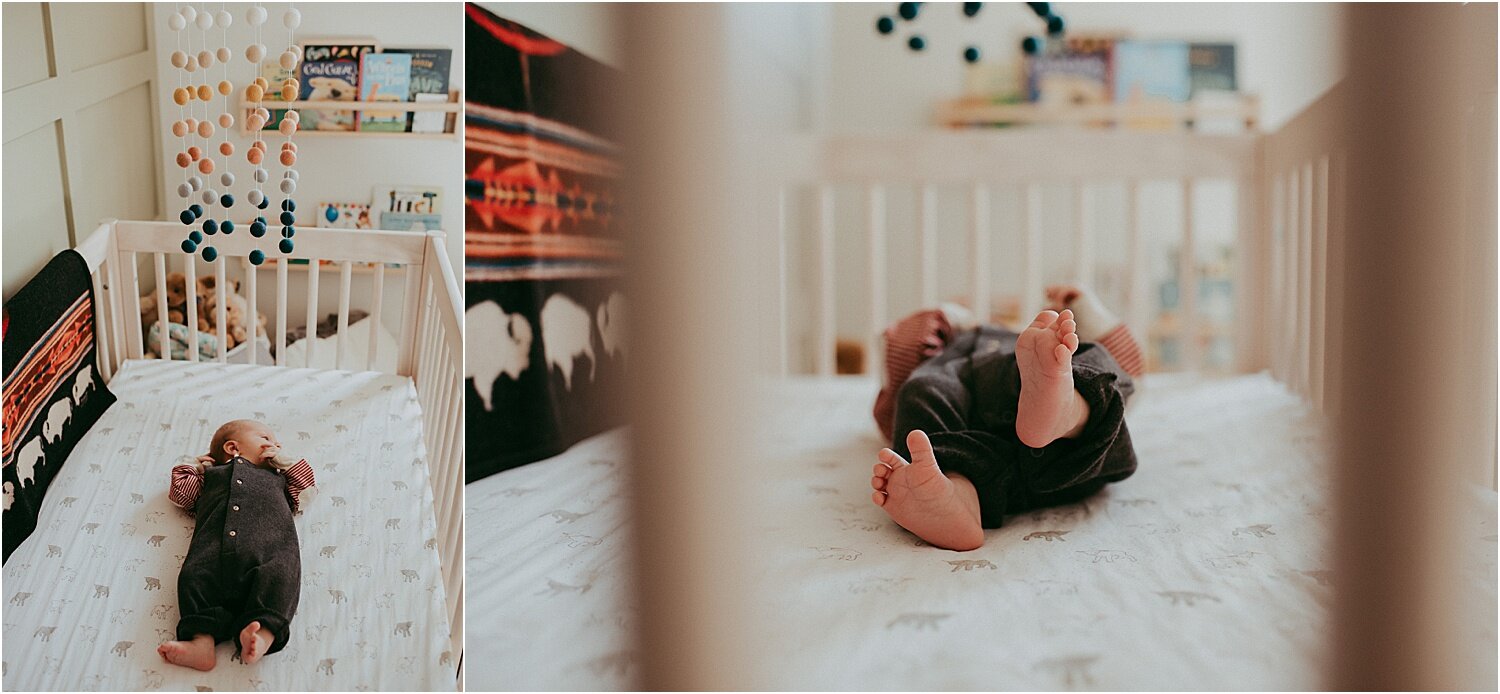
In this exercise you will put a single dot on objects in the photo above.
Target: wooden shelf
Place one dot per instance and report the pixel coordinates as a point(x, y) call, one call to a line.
point(454, 105)
point(969, 112)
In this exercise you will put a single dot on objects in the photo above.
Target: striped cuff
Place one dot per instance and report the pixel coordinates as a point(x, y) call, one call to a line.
point(1126, 351)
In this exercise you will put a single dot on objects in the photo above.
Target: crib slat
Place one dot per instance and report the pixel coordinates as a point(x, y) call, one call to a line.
point(1187, 282)
point(133, 297)
point(1277, 289)
point(102, 324)
point(1289, 310)
point(1031, 265)
point(1136, 288)
point(979, 232)
point(1318, 274)
point(190, 268)
point(1337, 251)
point(783, 339)
point(878, 298)
point(375, 301)
point(1304, 308)
point(312, 309)
point(1083, 232)
point(221, 310)
point(252, 300)
point(409, 317)
point(281, 312)
point(164, 342)
point(929, 246)
point(827, 327)
point(346, 269)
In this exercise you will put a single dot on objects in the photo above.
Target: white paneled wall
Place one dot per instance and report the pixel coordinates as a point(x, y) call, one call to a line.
point(80, 129)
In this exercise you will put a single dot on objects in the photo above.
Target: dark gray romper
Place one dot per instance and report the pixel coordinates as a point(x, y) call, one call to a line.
point(244, 563)
point(965, 400)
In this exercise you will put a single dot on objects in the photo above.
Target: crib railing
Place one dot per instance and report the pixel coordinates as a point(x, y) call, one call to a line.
point(429, 348)
point(1024, 161)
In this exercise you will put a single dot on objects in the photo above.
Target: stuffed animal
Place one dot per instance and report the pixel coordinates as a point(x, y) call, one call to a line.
point(176, 301)
point(236, 308)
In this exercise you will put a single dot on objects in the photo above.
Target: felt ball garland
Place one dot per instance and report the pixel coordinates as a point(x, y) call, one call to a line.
point(886, 25)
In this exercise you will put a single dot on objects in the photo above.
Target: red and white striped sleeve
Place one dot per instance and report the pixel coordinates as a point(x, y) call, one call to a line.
point(299, 478)
point(187, 482)
point(1123, 347)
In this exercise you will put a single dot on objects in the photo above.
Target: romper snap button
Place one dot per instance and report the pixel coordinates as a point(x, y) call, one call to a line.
point(239, 481)
point(231, 533)
point(236, 508)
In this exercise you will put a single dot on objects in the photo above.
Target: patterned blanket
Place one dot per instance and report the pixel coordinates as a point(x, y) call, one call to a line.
point(545, 352)
point(53, 393)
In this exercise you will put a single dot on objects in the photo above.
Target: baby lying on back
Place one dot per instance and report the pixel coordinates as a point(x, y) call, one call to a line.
point(243, 572)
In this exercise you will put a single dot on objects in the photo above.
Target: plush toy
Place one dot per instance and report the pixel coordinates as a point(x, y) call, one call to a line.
point(236, 309)
point(176, 301)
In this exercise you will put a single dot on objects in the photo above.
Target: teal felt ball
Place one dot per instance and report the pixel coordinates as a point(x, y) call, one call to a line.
point(188, 246)
point(226, 200)
point(257, 257)
point(289, 205)
point(288, 218)
point(227, 227)
point(196, 236)
point(210, 254)
point(257, 229)
point(196, 209)
point(187, 217)
point(288, 231)
point(285, 246)
point(210, 227)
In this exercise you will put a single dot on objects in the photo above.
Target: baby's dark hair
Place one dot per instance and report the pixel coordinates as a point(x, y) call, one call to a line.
point(226, 432)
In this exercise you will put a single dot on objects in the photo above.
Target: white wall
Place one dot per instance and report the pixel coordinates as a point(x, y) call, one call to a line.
point(1289, 53)
point(333, 169)
point(591, 28)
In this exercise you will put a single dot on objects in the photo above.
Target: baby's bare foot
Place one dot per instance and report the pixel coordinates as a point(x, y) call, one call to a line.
point(943, 510)
point(197, 654)
point(1049, 407)
point(254, 641)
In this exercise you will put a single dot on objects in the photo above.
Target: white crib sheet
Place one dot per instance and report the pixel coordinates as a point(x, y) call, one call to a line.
point(83, 606)
point(1206, 570)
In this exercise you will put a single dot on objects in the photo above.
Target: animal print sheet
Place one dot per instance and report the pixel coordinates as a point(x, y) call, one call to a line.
point(1208, 569)
point(93, 592)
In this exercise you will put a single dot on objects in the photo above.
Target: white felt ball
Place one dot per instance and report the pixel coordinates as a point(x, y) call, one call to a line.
point(292, 174)
point(254, 52)
point(264, 114)
point(188, 12)
point(210, 195)
point(223, 54)
point(261, 175)
point(288, 186)
point(226, 179)
point(179, 59)
point(223, 19)
point(183, 189)
point(294, 116)
point(195, 182)
point(205, 20)
point(192, 63)
point(296, 49)
point(256, 15)
point(205, 59)
point(255, 197)
point(176, 22)
point(288, 60)
point(292, 18)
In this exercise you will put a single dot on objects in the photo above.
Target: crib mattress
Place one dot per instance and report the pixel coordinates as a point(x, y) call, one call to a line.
point(94, 591)
point(1206, 570)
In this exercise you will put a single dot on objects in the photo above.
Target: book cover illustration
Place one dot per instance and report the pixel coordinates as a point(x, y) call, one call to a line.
point(1211, 68)
point(404, 208)
point(330, 72)
point(275, 74)
point(429, 83)
point(1082, 72)
point(1148, 71)
point(344, 215)
point(384, 77)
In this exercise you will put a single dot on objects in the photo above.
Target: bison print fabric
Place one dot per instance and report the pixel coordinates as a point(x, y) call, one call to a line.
point(545, 317)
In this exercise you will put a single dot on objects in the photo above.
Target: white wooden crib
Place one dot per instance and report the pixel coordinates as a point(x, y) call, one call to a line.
point(429, 347)
point(1295, 259)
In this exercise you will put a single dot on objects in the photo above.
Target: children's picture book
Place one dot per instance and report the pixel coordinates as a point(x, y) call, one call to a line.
point(1211, 67)
point(408, 207)
point(1080, 73)
point(384, 77)
point(429, 83)
point(331, 72)
point(344, 215)
point(1151, 70)
point(275, 74)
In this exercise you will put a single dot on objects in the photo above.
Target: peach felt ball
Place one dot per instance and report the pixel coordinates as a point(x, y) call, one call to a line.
point(206, 166)
point(288, 93)
point(180, 96)
point(225, 87)
point(254, 122)
point(288, 158)
point(253, 155)
point(205, 92)
point(179, 129)
point(226, 149)
point(205, 129)
point(226, 120)
point(194, 153)
point(288, 126)
point(183, 160)
point(254, 92)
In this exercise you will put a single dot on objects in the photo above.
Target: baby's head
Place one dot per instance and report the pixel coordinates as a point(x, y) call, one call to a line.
point(246, 438)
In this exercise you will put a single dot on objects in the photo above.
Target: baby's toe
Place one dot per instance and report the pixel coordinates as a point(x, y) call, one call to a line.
point(1071, 342)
